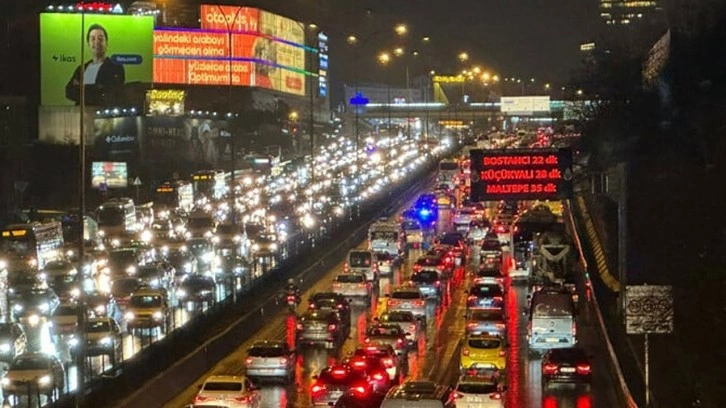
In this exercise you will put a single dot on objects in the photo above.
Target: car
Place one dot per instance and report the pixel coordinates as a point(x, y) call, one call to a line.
point(483, 351)
point(490, 254)
point(361, 396)
point(486, 321)
point(124, 262)
point(35, 303)
point(431, 262)
point(406, 321)
point(270, 359)
point(352, 284)
point(407, 298)
point(233, 391)
point(101, 304)
point(197, 288)
point(395, 367)
point(458, 243)
point(183, 262)
point(481, 391)
point(321, 327)
point(43, 372)
point(445, 253)
point(374, 370)
point(122, 288)
point(58, 267)
point(228, 235)
point(103, 337)
point(387, 333)
point(332, 382)
point(148, 308)
point(387, 263)
point(566, 365)
point(332, 301)
point(67, 287)
point(264, 245)
point(463, 218)
point(13, 341)
point(65, 319)
point(419, 393)
point(428, 282)
point(24, 281)
point(485, 296)
point(156, 275)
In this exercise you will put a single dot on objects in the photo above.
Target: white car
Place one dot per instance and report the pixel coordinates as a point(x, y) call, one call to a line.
point(45, 370)
point(229, 390)
point(407, 298)
point(353, 284)
point(463, 218)
point(481, 391)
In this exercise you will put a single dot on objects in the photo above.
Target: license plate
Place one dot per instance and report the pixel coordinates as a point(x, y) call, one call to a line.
point(552, 340)
point(567, 369)
point(406, 305)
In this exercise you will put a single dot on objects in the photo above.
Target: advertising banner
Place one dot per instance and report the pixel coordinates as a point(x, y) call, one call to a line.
point(109, 175)
point(525, 104)
point(118, 51)
point(197, 143)
point(117, 138)
point(521, 174)
point(266, 51)
point(165, 102)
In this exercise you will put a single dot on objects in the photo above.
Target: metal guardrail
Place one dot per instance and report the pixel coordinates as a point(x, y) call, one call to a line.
point(626, 399)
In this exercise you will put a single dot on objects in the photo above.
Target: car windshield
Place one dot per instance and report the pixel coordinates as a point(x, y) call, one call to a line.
point(411, 225)
point(146, 301)
point(359, 259)
point(57, 266)
point(200, 222)
point(384, 331)
point(122, 257)
point(267, 351)
point(485, 315)
point(428, 261)
point(406, 294)
point(476, 388)
point(223, 386)
point(425, 277)
point(226, 229)
point(485, 290)
point(111, 216)
point(98, 327)
point(553, 305)
point(484, 343)
point(337, 377)
point(63, 281)
point(30, 364)
point(491, 245)
point(397, 317)
point(67, 310)
point(350, 278)
point(384, 235)
point(6, 329)
point(124, 286)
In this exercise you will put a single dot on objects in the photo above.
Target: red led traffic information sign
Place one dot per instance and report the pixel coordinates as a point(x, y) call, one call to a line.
point(521, 174)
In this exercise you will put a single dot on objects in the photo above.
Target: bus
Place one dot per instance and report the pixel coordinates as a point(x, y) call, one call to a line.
point(448, 171)
point(174, 195)
point(209, 184)
point(35, 243)
point(116, 217)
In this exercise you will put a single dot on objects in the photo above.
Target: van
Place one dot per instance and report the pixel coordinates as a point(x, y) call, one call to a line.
point(363, 261)
point(551, 320)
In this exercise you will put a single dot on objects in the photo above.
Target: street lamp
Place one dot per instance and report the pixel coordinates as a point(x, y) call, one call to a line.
point(463, 56)
point(401, 29)
point(384, 59)
point(81, 357)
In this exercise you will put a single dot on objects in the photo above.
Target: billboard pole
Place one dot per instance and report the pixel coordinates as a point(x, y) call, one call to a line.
point(81, 355)
point(312, 118)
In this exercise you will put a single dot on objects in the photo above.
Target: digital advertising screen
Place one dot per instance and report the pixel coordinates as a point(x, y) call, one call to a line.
point(117, 51)
point(266, 51)
point(521, 174)
point(110, 174)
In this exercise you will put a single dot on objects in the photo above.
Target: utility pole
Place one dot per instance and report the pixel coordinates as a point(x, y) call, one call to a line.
point(81, 357)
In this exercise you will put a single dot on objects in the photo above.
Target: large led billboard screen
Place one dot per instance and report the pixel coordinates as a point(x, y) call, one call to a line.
point(521, 174)
point(266, 51)
point(118, 51)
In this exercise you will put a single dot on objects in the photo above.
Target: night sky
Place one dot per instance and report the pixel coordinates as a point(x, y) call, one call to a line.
point(524, 38)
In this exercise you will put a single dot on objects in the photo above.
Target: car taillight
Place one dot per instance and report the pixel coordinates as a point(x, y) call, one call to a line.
point(341, 306)
point(331, 327)
point(472, 325)
point(339, 372)
point(471, 298)
point(243, 400)
point(437, 283)
point(440, 267)
point(583, 369)
point(199, 398)
point(495, 396)
point(299, 326)
point(362, 285)
point(393, 302)
point(416, 268)
point(379, 376)
point(283, 360)
point(502, 353)
point(336, 285)
point(465, 352)
point(291, 298)
point(388, 362)
point(418, 303)
point(574, 329)
point(359, 364)
point(458, 395)
point(360, 390)
point(248, 361)
point(399, 341)
point(317, 388)
point(498, 299)
point(411, 328)
point(549, 368)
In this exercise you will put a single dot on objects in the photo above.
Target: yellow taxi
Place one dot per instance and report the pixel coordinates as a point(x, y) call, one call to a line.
point(483, 351)
point(443, 200)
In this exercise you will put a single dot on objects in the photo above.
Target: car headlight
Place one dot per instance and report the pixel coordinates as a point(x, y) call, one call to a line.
point(131, 270)
point(34, 320)
point(73, 342)
point(75, 292)
point(101, 233)
point(188, 266)
point(44, 380)
point(3, 265)
point(115, 242)
point(5, 381)
point(157, 315)
point(129, 316)
point(100, 309)
point(181, 293)
point(237, 238)
point(256, 247)
point(44, 307)
point(17, 307)
point(208, 257)
point(106, 341)
point(5, 348)
point(215, 239)
point(146, 236)
point(273, 247)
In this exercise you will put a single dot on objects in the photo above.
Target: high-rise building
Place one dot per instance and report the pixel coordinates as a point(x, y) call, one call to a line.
point(623, 12)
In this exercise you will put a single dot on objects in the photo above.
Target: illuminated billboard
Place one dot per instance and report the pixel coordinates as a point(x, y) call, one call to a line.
point(266, 51)
point(521, 174)
point(117, 52)
point(525, 104)
point(109, 175)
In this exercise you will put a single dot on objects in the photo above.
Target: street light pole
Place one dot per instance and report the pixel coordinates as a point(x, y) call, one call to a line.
point(81, 357)
point(312, 117)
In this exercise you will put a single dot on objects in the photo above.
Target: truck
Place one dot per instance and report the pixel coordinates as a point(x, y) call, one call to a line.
point(385, 237)
point(174, 196)
point(528, 228)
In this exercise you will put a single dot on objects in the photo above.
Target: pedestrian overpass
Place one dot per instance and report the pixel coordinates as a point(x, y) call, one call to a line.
point(463, 111)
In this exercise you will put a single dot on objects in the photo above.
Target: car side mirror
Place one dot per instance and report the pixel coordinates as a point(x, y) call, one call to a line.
point(199, 387)
point(315, 377)
point(408, 334)
point(388, 295)
point(375, 319)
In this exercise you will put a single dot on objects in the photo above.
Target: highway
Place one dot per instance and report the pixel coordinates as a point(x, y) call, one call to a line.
point(437, 354)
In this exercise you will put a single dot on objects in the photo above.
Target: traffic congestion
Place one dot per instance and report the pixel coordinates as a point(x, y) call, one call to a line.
point(140, 271)
point(447, 303)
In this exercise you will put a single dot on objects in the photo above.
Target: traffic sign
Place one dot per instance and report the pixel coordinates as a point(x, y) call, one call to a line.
point(359, 100)
point(648, 309)
point(136, 182)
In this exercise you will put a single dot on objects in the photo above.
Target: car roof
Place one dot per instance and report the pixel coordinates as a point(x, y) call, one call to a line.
point(416, 390)
point(477, 379)
point(269, 343)
point(483, 336)
point(225, 378)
